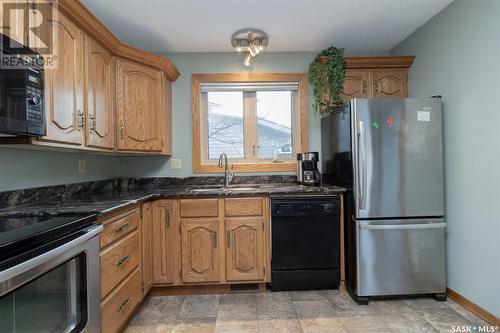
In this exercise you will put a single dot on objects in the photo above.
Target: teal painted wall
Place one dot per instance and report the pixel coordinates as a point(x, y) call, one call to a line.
point(458, 56)
point(24, 168)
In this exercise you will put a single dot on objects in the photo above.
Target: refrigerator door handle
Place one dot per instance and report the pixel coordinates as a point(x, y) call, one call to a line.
point(402, 226)
point(361, 165)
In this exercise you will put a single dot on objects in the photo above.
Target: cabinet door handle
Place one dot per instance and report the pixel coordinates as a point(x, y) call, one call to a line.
point(122, 227)
point(79, 119)
point(377, 86)
point(92, 122)
point(123, 260)
point(122, 130)
point(215, 239)
point(228, 238)
point(365, 86)
point(167, 218)
point(124, 304)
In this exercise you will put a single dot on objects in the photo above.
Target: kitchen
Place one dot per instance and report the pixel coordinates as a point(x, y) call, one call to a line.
point(164, 179)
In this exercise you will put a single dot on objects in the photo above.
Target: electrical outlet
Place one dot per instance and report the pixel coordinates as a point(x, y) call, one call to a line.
point(176, 163)
point(82, 166)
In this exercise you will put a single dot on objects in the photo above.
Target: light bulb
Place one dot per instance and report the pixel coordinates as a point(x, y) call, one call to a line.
point(254, 50)
point(248, 58)
point(238, 49)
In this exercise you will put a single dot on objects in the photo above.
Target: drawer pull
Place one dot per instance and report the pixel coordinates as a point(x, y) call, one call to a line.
point(123, 260)
point(122, 227)
point(125, 303)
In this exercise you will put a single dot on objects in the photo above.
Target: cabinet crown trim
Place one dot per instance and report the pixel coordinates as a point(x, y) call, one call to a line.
point(377, 62)
point(92, 26)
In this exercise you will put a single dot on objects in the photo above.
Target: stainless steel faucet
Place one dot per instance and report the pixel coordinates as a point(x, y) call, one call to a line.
point(228, 176)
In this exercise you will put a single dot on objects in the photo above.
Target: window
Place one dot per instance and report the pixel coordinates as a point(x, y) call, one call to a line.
point(258, 120)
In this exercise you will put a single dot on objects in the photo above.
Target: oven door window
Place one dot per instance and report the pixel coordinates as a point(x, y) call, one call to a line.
point(53, 302)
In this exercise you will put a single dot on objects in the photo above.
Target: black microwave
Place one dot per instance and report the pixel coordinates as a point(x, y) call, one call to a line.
point(21, 91)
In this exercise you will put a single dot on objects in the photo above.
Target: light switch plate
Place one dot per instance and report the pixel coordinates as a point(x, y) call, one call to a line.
point(176, 163)
point(82, 166)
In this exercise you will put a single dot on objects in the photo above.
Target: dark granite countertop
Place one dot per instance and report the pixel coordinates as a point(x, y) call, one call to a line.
point(106, 202)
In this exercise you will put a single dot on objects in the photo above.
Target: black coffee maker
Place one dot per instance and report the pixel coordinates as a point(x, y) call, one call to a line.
point(307, 168)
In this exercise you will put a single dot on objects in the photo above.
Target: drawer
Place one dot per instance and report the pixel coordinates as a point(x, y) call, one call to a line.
point(199, 208)
point(118, 260)
point(117, 308)
point(244, 207)
point(119, 226)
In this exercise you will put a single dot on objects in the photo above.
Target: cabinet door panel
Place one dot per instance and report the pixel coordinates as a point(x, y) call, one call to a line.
point(200, 250)
point(391, 83)
point(165, 242)
point(100, 94)
point(64, 86)
point(244, 249)
point(355, 85)
point(140, 110)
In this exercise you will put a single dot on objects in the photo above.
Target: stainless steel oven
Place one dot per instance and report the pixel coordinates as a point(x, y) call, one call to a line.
point(53, 287)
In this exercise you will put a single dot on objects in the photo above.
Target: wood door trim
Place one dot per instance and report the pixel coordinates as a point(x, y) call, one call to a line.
point(197, 79)
point(93, 27)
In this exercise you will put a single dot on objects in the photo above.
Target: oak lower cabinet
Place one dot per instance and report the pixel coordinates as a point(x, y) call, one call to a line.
point(200, 241)
point(122, 261)
point(200, 250)
point(166, 243)
point(140, 118)
point(244, 249)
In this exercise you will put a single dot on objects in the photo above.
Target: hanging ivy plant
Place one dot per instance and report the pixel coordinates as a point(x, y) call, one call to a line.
point(326, 75)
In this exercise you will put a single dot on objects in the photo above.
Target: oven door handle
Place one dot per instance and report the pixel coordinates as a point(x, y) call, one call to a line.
point(59, 252)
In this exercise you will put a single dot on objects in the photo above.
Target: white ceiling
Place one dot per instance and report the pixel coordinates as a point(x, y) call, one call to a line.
point(292, 25)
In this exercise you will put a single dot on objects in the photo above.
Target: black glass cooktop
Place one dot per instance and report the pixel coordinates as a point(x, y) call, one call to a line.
point(19, 234)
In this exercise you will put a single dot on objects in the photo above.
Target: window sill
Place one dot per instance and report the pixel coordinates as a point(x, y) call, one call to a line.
point(239, 168)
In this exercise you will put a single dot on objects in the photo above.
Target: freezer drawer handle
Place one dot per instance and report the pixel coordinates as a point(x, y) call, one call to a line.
point(403, 226)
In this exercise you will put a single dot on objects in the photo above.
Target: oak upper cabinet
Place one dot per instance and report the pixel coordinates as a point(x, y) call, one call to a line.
point(64, 86)
point(166, 243)
point(146, 247)
point(100, 94)
point(140, 121)
point(244, 249)
point(389, 83)
point(355, 85)
point(200, 250)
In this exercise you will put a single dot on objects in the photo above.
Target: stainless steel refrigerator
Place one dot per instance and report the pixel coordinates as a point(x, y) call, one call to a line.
point(388, 153)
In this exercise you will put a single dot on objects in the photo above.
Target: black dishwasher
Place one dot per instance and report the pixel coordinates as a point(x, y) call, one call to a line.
point(305, 243)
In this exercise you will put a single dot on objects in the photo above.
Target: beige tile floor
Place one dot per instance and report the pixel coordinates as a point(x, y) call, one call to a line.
point(304, 311)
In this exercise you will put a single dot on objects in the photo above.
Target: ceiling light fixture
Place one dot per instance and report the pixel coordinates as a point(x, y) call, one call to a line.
point(249, 40)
